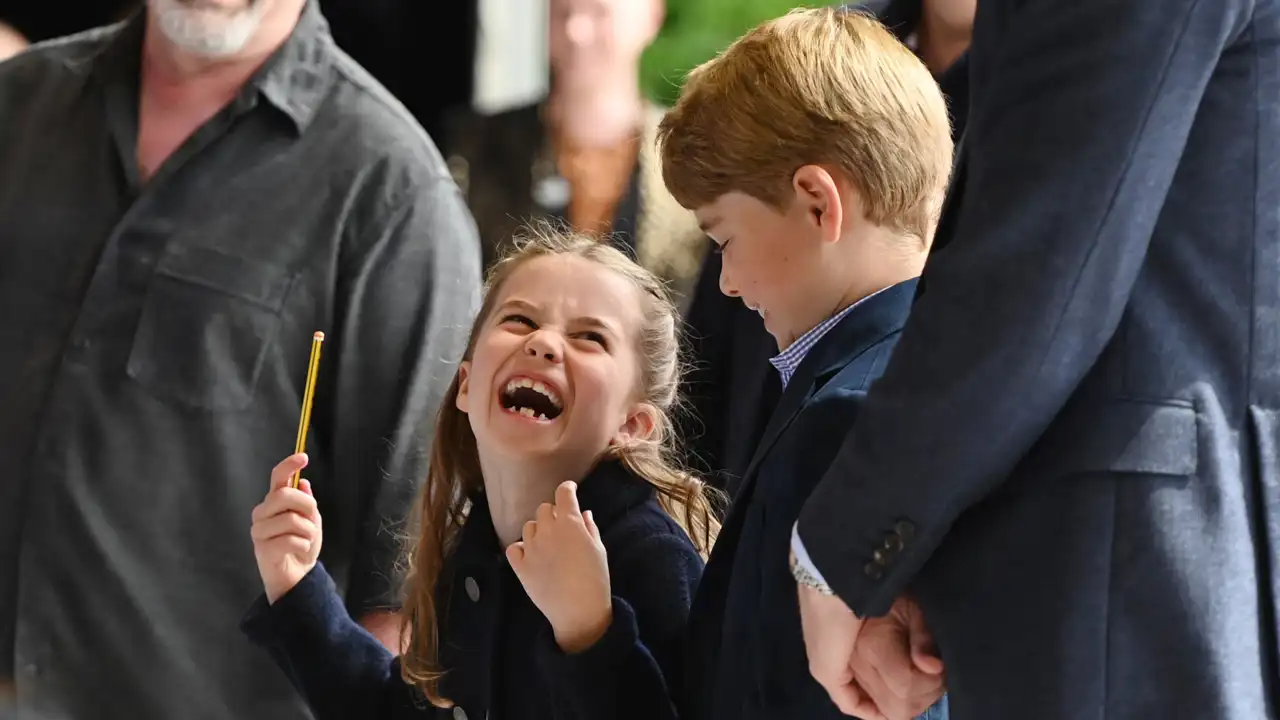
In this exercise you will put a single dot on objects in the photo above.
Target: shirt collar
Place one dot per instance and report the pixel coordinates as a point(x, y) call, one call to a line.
point(789, 359)
point(295, 79)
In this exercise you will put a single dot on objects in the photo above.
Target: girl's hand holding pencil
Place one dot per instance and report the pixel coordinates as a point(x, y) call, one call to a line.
point(562, 564)
point(286, 530)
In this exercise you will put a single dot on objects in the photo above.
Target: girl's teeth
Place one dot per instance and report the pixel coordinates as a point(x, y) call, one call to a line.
point(527, 412)
point(542, 417)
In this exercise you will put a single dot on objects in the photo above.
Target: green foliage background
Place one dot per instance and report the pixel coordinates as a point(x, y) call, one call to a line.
point(694, 31)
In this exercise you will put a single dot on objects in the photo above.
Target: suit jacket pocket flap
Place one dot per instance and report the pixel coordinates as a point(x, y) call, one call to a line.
point(1119, 435)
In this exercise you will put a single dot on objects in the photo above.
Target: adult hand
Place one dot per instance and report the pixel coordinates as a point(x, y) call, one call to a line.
point(878, 669)
point(895, 663)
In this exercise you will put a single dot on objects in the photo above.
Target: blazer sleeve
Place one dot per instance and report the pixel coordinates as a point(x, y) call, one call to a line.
point(634, 672)
point(1072, 148)
point(341, 670)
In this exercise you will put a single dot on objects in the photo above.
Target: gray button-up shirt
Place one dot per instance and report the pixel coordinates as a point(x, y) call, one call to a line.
point(154, 342)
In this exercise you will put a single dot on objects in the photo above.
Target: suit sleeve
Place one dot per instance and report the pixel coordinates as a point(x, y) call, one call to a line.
point(407, 301)
point(1072, 148)
point(634, 672)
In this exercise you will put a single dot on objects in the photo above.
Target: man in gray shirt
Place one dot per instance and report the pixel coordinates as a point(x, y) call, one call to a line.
point(184, 199)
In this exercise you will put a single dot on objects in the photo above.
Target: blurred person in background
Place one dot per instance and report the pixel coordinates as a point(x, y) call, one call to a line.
point(732, 388)
point(11, 42)
point(184, 199)
point(585, 156)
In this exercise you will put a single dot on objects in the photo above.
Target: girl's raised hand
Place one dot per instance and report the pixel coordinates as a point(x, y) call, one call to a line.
point(562, 564)
point(286, 530)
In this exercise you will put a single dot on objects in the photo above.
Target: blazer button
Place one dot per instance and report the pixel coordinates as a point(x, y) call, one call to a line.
point(905, 529)
point(873, 571)
point(473, 592)
point(458, 712)
point(882, 556)
point(893, 544)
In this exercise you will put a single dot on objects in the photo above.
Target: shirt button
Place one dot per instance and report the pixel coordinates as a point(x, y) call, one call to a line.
point(458, 712)
point(473, 591)
point(31, 670)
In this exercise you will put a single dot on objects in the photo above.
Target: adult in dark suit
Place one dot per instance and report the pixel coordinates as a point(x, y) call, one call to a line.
point(732, 390)
point(1071, 459)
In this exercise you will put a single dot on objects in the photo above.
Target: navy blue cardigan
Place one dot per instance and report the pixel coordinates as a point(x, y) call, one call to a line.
point(498, 649)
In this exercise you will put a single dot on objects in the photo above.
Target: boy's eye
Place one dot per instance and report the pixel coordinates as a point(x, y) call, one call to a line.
point(520, 319)
point(594, 337)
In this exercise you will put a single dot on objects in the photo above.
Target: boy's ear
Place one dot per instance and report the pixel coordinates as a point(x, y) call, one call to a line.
point(641, 421)
point(818, 195)
point(464, 374)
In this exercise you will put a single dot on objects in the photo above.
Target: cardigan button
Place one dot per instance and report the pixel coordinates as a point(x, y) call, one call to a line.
point(473, 592)
point(458, 712)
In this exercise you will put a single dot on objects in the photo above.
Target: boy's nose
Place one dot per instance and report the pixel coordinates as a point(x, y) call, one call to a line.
point(726, 284)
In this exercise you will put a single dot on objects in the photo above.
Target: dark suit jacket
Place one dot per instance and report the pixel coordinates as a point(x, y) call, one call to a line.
point(1072, 456)
point(501, 658)
point(731, 388)
point(746, 650)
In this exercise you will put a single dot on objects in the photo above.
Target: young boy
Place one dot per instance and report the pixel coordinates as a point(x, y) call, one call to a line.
point(815, 152)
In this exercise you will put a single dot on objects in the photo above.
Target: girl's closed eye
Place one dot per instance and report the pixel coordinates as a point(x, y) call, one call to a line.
point(519, 320)
point(595, 337)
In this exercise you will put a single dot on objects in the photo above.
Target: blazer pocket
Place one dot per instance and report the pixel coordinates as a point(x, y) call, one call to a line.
point(206, 325)
point(1118, 435)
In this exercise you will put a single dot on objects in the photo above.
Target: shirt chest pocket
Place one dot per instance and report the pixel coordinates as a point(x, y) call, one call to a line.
point(207, 324)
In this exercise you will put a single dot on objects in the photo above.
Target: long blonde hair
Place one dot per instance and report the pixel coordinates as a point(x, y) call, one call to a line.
point(454, 473)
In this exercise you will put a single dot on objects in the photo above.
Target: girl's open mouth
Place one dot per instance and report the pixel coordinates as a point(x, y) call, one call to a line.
point(531, 398)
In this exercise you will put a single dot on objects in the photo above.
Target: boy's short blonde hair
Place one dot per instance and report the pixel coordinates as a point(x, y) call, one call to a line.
point(826, 87)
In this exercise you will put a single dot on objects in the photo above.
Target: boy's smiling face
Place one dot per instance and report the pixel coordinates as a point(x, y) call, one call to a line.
point(779, 262)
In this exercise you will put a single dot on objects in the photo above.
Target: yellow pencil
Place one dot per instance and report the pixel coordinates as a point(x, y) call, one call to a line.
point(304, 423)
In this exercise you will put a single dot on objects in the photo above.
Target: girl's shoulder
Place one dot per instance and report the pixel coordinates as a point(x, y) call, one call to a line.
point(631, 520)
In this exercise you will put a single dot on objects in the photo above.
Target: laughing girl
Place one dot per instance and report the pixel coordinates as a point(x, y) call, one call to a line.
point(551, 455)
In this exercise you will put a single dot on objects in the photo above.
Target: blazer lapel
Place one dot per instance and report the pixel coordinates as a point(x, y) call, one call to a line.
point(867, 324)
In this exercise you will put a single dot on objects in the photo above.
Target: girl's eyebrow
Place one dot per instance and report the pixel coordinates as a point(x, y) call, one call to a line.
point(518, 303)
point(596, 323)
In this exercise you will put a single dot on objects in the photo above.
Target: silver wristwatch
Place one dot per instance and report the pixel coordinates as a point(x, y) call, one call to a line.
point(805, 578)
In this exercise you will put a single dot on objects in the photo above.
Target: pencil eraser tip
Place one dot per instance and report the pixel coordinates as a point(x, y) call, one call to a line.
point(319, 335)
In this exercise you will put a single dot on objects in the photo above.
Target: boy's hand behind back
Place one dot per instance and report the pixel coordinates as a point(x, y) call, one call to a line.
point(286, 530)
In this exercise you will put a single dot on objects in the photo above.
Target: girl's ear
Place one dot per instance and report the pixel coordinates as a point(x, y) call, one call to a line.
point(641, 421)
point(464, 373)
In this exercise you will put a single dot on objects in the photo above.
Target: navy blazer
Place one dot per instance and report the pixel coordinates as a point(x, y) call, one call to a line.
point(498, 649)
point(746, 649)
point(1073, 458)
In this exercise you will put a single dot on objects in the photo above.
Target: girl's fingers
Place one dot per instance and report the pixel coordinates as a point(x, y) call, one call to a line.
point(289, 545)
point(281, 473)
point(515, 555)
point(529, 531)
point(284, 524)
point(285, 499)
